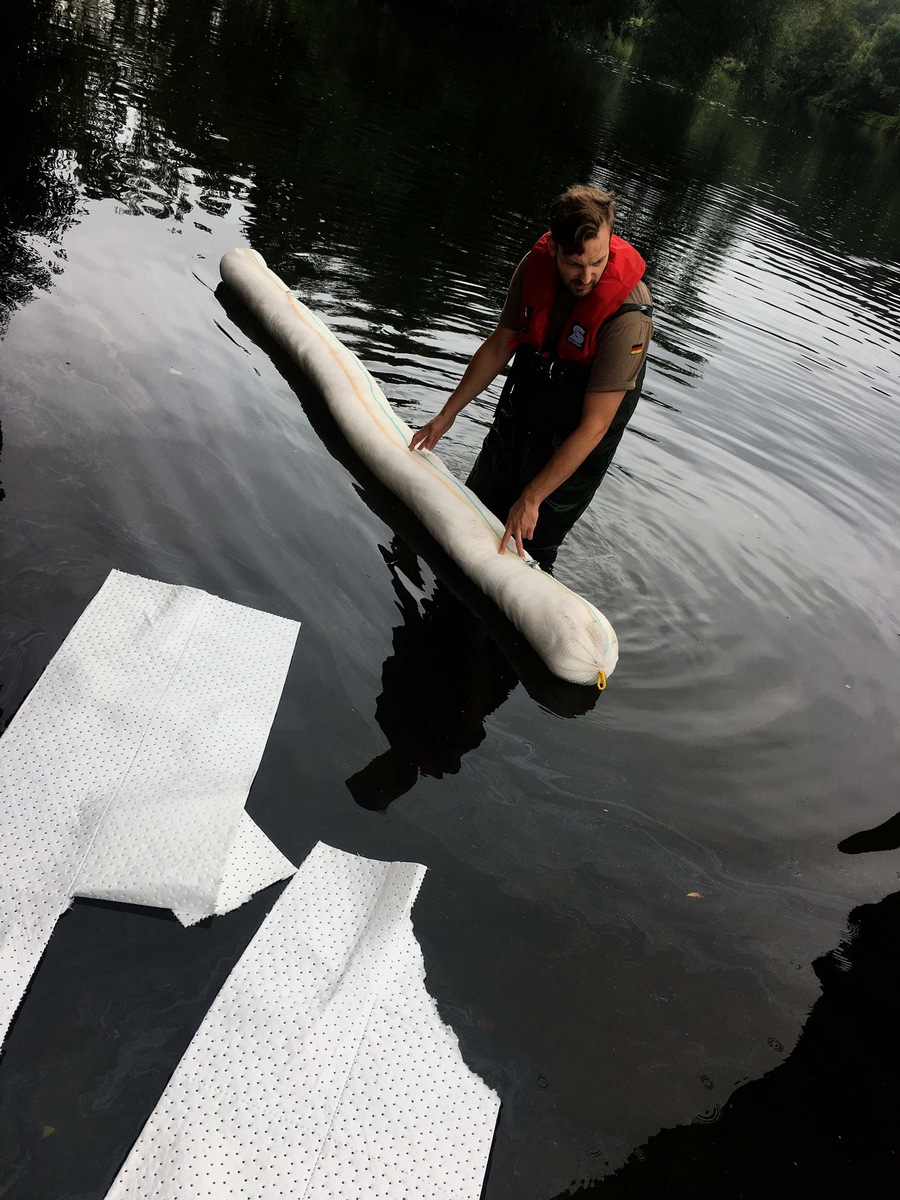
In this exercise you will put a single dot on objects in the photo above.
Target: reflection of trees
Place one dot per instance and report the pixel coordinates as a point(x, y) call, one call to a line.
point(822, 1123)
point(40, 195)
point(708, 161)
point(330, 129)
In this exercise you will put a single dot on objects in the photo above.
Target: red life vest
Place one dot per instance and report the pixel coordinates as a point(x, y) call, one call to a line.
point(578, 341)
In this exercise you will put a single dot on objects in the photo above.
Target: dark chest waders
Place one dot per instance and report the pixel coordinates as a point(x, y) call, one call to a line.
point(540, 406)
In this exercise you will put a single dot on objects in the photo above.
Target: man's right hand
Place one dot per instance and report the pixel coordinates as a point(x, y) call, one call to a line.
point(429, 435)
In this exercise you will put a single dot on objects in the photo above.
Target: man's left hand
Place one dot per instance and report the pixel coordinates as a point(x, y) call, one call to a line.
point(521, 523)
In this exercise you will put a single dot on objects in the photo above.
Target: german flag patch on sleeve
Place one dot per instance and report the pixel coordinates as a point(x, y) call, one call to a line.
point(637, 347)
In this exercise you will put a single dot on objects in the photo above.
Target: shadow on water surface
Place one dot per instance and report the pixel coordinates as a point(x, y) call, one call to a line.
point(824, 1122)
point(885, 836)
point(444, 677)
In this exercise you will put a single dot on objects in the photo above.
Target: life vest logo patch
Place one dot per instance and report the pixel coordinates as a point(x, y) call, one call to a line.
point(577, 336)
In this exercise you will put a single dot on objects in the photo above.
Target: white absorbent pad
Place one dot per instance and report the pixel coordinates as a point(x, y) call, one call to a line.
point(573, 637)
point(322, 1069)
point(124, 774)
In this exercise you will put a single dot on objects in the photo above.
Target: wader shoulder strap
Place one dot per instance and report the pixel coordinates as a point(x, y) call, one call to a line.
point(646, 309)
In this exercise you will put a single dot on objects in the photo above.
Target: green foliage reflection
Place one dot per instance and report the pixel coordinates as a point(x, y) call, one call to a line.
point(839, 54)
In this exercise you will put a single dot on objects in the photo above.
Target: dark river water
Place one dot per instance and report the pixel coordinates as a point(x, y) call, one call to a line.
point(654, 917)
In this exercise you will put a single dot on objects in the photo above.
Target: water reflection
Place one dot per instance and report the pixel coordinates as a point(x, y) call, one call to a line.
point(103, 103)
point(40, 196)
point(444, 677)
point(822, 1123)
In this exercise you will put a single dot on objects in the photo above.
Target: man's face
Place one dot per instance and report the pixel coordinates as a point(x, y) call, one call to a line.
point(581, 272)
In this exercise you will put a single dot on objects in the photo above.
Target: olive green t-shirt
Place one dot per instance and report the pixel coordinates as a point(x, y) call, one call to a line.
point(621, 347)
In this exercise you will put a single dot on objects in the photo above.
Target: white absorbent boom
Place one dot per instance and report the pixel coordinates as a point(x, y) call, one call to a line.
point(573, 638)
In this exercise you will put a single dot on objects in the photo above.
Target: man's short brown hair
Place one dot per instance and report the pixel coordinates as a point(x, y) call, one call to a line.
point(578, 215)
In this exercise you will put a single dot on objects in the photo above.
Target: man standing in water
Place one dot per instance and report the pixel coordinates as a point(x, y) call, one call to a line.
point(579, 321)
